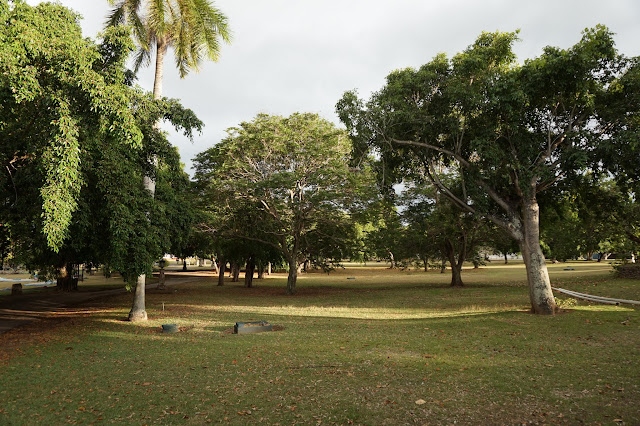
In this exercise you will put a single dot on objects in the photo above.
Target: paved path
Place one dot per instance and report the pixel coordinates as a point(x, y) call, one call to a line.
point(19, 310)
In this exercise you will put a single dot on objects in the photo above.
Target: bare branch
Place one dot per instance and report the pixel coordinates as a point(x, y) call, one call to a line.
point(461, 159)
point(433, 176)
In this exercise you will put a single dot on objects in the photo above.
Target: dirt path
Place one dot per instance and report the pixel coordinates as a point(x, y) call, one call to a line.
point(16, 311)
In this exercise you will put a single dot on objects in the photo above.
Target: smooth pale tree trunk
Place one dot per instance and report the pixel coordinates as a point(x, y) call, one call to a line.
point(392, 259)
point(138, 310)
point(540, 293)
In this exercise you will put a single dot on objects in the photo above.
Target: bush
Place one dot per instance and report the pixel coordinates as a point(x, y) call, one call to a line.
point(627, 270)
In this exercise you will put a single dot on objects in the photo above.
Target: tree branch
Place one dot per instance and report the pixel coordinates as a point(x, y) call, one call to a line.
point(458, 157)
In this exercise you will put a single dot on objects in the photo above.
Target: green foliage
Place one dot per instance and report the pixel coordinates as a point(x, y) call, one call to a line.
point(508, 131)
point(77, 142)
point(52, 95)
point(284, 182)
point(514, 131)
point(627, 270)
point(194, 28)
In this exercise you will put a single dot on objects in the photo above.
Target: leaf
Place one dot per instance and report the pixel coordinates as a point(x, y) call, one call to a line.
point(421, 402)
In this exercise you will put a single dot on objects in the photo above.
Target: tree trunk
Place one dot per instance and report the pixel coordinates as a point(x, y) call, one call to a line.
point(456, 276)
point(269, 269)
point(293, 275)
point(161, 50)
point(184, 265)
point(248, 272)
point(65, 280)
point(261, 270)
point(456, 265)
point(392, 259)
point(235, 272)
point(138, 311)
point(214, 264)
point(221, 269)
point(161, 280)
point(506, 259)
point(540, 293)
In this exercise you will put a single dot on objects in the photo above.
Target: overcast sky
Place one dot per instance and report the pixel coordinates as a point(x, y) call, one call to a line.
point(301, 55)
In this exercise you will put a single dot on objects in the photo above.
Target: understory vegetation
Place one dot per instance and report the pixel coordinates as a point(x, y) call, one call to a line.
point(363, 345)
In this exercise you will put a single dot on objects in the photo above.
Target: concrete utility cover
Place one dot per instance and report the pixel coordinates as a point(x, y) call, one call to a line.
point(252, 327)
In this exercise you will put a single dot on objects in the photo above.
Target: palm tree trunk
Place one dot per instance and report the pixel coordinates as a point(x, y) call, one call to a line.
point(138, 310)
point(161, 50)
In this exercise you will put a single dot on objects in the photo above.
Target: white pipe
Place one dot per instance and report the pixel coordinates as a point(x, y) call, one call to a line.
point(598, 299)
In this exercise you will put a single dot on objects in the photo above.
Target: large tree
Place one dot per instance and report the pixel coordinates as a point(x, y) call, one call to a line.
point(292, 173)
point(194, 29)
point(78, 170)
point(55, 89)
point(512, 131)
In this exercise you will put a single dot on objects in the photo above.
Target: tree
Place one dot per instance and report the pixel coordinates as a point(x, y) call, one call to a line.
point(513, 131)
point(194, 29)
point(104, 216)
point(454, 235)
point(291, 173)
point(385, 238)
point(55, 89)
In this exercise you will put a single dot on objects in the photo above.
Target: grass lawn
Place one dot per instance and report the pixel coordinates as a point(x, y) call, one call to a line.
point(363, 345)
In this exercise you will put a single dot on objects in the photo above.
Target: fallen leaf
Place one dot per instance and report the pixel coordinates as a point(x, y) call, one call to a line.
point(421, 402)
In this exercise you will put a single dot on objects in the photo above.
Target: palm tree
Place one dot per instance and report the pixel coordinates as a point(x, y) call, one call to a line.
point(194, 30)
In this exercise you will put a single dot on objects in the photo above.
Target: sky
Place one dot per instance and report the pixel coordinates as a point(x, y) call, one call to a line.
point(301, 55)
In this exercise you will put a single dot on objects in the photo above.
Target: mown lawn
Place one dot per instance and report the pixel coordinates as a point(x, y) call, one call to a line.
point(362, 345)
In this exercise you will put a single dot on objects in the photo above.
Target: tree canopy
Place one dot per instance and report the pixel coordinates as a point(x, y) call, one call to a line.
point(287, 176)
point(512, 131)
point(56, 88)
point(76, 136)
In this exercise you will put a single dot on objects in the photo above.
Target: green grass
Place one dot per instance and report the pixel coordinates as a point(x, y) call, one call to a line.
point(388, 347)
